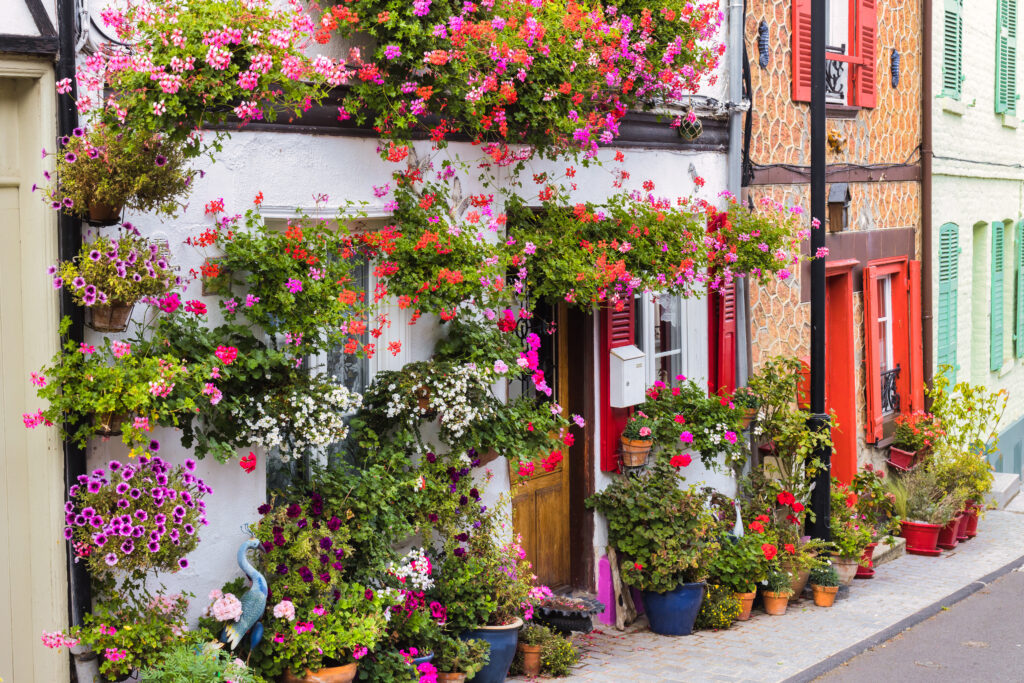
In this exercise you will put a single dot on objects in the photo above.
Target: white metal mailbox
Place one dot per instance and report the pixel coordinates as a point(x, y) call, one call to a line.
point(628, 376)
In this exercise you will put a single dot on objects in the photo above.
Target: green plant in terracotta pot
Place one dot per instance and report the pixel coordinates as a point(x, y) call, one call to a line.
point(851, 533)
point(637, 439)
point(776, 592)
point(825, 583)
point(739, 566)
point(456, 659)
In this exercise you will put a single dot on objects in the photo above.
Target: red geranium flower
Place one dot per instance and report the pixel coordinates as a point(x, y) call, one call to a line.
point(769, 551)
point(248, 463)
point(786, 498)
point(851, 500)
point(790, 548)
point(756, 527)
point(798, 507)
point(637, 566)
point(680, 460)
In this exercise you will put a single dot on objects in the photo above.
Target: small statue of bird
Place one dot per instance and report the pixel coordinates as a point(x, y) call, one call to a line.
point(254, 601)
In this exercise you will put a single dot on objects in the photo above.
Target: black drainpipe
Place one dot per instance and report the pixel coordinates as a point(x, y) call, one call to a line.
point(69, 240)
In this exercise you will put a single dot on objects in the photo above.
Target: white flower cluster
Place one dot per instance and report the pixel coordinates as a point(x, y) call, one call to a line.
point(458, 397)
point(307, 419)
point(413, 571)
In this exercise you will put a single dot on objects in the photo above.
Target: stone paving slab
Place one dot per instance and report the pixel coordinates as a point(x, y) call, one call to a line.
point(775, 648)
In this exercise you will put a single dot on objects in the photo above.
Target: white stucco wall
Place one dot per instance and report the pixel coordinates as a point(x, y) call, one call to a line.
point(16, 19)
point(978, 179)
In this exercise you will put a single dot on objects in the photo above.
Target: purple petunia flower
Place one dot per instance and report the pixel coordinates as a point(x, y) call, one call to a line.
point(68, 203)
point(127, 547)
point(160, 160)
point(154, 445)
point(282, 569)
point(189, 529)
point(141, 515)
point(183, 563)
point(94, 153)
point(78, 132)
point(100, 539)
point(294, 510)
point(95, 255)
point(78, 282)
point(94, 487)
point(135, 493)
point(160, 518)
point(110, 559)
point(68, 533)
point(153, 547)
point(70, 157)
point(190, 464)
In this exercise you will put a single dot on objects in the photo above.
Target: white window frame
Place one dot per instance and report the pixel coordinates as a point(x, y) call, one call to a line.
point(885, 316)
point(691, 316)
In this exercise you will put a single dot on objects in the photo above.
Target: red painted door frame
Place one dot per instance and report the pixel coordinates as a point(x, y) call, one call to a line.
point(840, 373)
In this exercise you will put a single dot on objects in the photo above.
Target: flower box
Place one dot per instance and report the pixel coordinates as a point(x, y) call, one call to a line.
point(901, 459)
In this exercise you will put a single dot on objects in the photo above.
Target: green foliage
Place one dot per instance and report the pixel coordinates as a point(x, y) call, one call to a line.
point(88, 389)
point(534, 634)
point(666, 535)
point(874, 503)
point(962, 474)
point(186, 662)
point(686, 417)
point(719, 609)
point(851, 532)
point(739, 564)
point(824, 576)
point(386, 666)
point(117, 271)
point(119, 167)
point(918, 497)
point(778, 581)
point(970, 414)
point(454, 655)
point(558, 655)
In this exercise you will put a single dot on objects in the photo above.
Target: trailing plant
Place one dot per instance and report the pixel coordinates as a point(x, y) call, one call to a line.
point(825, 576)
point(719, 608)
point(186, 662)
point(88, 390)
point(874, 503)
point(454, 655)
point(109, 166)
point(665, 535)
point(116, 271)
point(558, 655)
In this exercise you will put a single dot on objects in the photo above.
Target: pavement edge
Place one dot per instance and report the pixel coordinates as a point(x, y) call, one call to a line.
point(834, 661)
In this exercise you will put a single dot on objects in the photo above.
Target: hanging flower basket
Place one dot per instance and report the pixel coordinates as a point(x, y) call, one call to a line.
point(110, 424)
point(635, 451)
point(101, 214)
point(112, 317)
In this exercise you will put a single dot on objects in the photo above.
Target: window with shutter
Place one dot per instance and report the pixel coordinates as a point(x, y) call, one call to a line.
point(1006, 57)
point(996, 299)
point(722, 340)
point(1019, 333)
point(801, 52)
point(952, 48)
point(617, 329)
point(949, 258)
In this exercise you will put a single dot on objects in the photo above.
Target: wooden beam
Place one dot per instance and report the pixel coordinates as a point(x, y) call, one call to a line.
point(837, 173)
point(42, 19)
point(29, 45)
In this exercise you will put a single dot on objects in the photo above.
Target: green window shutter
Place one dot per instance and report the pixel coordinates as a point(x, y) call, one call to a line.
point(1006, 57)
point(1019, 244)
point(949, 258)
point(952, 48)
point(996, 299)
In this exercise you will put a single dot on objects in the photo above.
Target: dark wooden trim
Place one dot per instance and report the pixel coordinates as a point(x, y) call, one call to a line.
point(638, 129)
point(582, 366)
point(28, 45)
point(841, 111)
point(42, 19)
point(837, 173)
point(860, 246)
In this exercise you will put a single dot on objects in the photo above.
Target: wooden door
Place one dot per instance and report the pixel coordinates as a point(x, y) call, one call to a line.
point(540, 505)
point(33, 580)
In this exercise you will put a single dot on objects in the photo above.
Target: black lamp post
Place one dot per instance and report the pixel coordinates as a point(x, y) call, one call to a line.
point(820, 496)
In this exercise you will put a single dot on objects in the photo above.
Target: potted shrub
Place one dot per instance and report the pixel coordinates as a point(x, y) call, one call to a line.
point(667, 537)
point(456, 659)
point(531, 641)
point(825, 584)
point(109, 275)
point(923, 508)
point(851, 534)
point(557, 656)
point(916, 435)
point(776, 592)
point(107, 168)
point(636, 440)
point(967, 475)
point(874, 506)
point(721, 607)
point(739, 565)
point(90, 390)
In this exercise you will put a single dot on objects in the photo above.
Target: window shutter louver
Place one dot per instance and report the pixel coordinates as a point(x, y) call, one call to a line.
point(915, 345)
point(872, 363)
point(618, 329)
point(1006, 57)
point(725, 340)
point(946, 322)
point(865, 48)
point(801, 49)
point(1019, 336)
point(952, 49)
point(996, 300)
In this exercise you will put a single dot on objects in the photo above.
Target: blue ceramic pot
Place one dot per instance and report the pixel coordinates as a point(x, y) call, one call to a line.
point(673, 613)
point(502, 640)
point(423, 660)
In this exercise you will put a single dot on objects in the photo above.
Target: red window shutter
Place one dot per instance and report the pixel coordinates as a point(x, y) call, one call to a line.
point(872, 362)
point(723, 348)
point(617, 329)
point(801, 49)
point(865, 40)
point(915, 344)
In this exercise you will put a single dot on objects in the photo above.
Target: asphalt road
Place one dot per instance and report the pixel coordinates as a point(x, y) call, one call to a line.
point(980, 638)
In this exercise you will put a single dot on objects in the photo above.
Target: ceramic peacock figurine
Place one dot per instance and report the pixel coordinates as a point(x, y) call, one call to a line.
point(254, 601)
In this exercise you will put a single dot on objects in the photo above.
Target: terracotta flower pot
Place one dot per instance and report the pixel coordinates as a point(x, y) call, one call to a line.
point(531, 658)
point(865, 568)
point(901, 459)
point(961, 529)
point(332, 674)
point(824, 596)
point(635, 451)
point(103, 214)
point(846, 568)
point(921, 538)
point(112, 317)
point(748, 417)
point(775, 603)
point(948, 536)
point(797, 581)
point(450, 678)
point(746, 604)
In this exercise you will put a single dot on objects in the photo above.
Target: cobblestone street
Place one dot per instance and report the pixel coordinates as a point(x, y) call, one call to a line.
point(777, 648)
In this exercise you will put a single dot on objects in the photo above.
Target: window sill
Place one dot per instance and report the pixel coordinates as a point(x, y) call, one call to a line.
point(884, 443)
point(951, 106)
point(1008, 367)
point(1010, 121)
point(841, 111)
